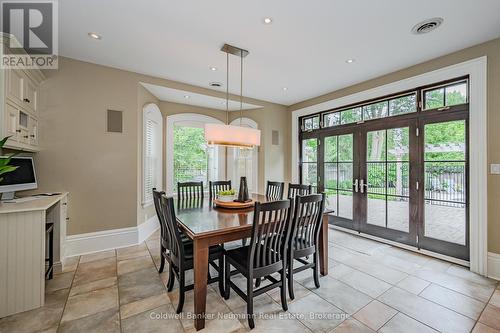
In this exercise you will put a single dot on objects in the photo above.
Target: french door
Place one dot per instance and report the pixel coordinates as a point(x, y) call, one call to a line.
point(403, 180)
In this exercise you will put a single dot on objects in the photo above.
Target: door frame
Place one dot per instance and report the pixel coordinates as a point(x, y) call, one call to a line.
point(477, 71)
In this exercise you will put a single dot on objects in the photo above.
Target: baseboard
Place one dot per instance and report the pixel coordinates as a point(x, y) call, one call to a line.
point(147, 228)
point(494, 265)
point(80, 244)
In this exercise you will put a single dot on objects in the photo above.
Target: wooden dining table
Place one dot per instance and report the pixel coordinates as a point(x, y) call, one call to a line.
point(208, 225)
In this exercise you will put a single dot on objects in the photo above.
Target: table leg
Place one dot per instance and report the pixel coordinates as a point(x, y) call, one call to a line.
point(323, 246)
point(200, 282)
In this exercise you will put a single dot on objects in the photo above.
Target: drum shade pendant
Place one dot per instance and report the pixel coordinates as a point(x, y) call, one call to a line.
point(230, 135)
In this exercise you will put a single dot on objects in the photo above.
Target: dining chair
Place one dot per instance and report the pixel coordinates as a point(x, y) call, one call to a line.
point(274, 190)
point(189, 194)
point(157, 202)
point(298, 189)
point(178, 252)
point(214, 187)
point(265, 255)
point(304, 237)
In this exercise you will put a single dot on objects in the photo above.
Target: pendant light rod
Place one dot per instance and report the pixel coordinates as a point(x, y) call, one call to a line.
point(227, 88)
point(241, 86)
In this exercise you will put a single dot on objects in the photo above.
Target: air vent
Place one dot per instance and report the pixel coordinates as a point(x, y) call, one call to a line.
point(427, 26)
point(215, 84)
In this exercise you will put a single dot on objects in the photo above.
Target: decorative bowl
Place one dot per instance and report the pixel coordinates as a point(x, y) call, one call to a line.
point(226, 198)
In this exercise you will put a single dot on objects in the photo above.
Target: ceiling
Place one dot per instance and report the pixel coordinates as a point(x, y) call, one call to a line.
point(190, 98)
point(304, 49)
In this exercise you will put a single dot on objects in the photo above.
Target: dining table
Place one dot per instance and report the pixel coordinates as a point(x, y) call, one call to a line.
point(209, 225)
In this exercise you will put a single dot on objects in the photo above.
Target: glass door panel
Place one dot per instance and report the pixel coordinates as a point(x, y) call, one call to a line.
point(338, 169)
point(310, 163)
point(385, 183)
point(445, 223)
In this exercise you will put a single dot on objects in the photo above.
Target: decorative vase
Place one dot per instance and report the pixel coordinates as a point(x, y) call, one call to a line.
point(243, 193)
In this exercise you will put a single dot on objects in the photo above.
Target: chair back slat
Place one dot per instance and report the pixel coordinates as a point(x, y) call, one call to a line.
point(298, 189)
point(157, 201)
point(216, 186)
point(274, 190)
point(189, 194)
point(307, 220)
point(270, 232)
point(172, 236)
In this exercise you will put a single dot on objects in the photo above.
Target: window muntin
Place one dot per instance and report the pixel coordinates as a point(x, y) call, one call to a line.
point(380, 109)
point(311, 123)
point(455, 93)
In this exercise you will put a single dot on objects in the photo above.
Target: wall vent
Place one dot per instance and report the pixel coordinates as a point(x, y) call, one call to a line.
point(427, 26)
point(114, 121)
point(275, 138)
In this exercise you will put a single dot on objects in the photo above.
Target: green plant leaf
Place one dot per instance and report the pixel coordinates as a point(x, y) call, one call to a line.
point(7, 168)
point(3, 141)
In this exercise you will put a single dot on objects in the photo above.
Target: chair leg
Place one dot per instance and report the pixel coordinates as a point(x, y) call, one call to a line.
point(257, 282)
point(221, 276)
point(180, 305)
point(227, 279)
point(251, 322)
point(171, 278)
point(316, 269)
point(290, 277)
point(162, 260)
point(283, 289)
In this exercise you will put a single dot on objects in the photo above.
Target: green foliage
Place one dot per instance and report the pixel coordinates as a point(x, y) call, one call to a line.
point(4, 161)
point(190, 155)
point(227, 192)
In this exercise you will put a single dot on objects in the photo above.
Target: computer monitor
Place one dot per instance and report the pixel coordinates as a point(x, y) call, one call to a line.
point(23, 178)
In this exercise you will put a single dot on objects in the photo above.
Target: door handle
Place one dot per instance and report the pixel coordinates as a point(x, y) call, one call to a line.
point(362, 186)
point(356, 185)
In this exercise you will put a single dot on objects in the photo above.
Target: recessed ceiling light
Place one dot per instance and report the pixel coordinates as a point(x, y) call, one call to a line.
point(285, 88)
point(94, 35)
point(213, 68)
point(268, 20)
point(349, 61)
point(186, 96)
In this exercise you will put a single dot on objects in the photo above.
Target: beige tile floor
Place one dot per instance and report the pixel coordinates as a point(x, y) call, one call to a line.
point(371, 287)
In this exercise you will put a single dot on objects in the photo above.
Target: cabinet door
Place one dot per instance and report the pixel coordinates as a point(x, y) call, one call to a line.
point(11, 122)
point(30, 94)
point(33, 131)
point(15, 83)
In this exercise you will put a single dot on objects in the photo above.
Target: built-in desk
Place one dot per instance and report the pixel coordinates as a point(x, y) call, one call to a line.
point(22, 250)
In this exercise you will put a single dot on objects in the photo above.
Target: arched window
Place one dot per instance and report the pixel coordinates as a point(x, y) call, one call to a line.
point(152, 152)
point(244, 162)
point(191, 159)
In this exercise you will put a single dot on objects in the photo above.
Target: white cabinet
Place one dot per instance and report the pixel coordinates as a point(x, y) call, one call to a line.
point(30, 94)
point(19, 112)
point(11, 121)
point(15, 85)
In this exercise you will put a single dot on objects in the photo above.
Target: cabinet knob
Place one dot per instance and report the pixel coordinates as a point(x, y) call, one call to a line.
point(32, 135)
point(18, 131)
point(65, 203)
point(67, 219)
point(27, 100)
point(25, 136)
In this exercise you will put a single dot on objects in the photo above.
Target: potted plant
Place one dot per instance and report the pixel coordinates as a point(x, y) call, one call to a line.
point(226, 196)
point(4, 161)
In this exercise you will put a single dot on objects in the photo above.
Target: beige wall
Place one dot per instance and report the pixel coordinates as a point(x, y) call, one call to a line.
point(102, 171)
point(492, 51)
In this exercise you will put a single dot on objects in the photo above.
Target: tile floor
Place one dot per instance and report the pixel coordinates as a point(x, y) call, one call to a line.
point(371, 287)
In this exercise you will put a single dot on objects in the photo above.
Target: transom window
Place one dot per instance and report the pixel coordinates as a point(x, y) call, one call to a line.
point(440, 97)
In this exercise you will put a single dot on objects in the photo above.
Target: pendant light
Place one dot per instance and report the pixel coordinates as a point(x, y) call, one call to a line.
point(230, 135)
